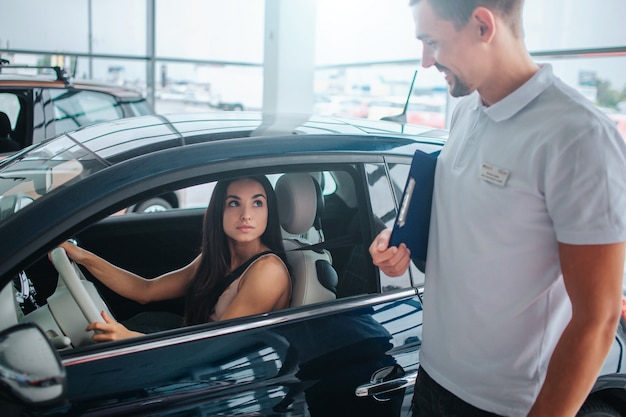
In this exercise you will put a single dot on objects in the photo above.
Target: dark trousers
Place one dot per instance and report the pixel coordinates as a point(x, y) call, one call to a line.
point(433, 400)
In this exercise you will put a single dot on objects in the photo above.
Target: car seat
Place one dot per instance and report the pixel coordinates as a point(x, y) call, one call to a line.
point(7, 144)
point(300, 204)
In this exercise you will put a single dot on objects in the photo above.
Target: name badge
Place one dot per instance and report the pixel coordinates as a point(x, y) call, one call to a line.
point(494, 175)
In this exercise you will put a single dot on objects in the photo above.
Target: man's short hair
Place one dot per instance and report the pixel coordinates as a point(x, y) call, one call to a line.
point(460, 11)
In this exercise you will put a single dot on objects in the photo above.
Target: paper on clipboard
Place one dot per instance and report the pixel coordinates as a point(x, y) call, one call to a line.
point(413, 220)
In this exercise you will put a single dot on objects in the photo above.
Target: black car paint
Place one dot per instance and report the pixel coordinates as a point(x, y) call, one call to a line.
point(277, 361)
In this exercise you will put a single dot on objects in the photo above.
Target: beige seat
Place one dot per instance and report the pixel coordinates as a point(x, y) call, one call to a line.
point(300, 203)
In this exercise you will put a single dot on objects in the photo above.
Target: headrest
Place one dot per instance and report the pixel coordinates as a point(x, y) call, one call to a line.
point(298, 198)
point(5, 125)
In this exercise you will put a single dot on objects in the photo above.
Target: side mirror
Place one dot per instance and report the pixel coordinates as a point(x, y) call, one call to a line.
point(29, 366)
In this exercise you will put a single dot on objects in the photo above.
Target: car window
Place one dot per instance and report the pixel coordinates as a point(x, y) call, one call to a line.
point(155, 243)
point(76, 108)
point(45, 169)
point(198, 196)
point(10, 105)
point(140, 108)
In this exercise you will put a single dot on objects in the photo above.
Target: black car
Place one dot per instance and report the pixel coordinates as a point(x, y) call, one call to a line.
point(349, 343)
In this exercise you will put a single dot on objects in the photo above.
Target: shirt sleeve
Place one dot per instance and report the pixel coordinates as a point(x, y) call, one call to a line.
point(585, 187)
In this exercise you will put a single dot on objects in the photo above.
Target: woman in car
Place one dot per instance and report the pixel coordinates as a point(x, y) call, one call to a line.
point(241, 270)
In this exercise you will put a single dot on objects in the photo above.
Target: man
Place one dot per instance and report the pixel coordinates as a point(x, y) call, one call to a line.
point(526, 250)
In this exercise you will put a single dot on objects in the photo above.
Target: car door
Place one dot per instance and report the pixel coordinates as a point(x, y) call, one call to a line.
point(356, 355)
point(307, 361)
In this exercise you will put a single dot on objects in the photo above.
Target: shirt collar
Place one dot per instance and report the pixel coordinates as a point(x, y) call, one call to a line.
point(510, 105)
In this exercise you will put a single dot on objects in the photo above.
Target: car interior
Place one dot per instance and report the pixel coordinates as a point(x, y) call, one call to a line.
point(326, 234)
point(7, 143)
point(13, 104)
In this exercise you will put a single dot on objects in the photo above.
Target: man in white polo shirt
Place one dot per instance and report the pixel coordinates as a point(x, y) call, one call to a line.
point(526, 251)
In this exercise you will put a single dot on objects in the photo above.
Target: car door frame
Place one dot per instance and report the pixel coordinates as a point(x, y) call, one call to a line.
point(94, 362)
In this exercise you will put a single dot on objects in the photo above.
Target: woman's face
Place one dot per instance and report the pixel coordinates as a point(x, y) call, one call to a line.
point(245, 211)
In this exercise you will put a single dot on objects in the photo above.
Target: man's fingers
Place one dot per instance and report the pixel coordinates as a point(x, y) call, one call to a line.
point(379, 248)
point(381, 242)
point(397, 261)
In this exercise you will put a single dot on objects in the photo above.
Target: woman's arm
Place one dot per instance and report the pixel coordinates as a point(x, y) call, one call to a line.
point(127, 284)
point(264, 287)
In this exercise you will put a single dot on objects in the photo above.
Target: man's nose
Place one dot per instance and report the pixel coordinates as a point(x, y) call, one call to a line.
point(428, 58)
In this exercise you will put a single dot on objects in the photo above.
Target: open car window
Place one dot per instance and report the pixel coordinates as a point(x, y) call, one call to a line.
point(150, 244)
point(198, 196)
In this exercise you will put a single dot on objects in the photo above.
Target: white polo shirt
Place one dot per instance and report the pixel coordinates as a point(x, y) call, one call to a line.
point(541, 166)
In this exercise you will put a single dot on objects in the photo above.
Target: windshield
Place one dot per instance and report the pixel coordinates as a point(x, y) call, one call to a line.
point(40, 171)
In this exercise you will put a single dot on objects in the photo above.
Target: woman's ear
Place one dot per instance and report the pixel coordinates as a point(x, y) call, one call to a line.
point(485, 23)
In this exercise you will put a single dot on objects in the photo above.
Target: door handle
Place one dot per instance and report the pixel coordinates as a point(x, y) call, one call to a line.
point(388, 379)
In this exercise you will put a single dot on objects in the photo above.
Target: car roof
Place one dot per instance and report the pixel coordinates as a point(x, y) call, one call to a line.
point(18, 80)
point(126, 138)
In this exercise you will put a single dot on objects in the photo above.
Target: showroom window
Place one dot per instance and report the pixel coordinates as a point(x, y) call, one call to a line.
point(214, 60)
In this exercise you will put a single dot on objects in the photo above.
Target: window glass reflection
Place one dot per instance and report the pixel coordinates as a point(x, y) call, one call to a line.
point(574, 24)
point(602, 80)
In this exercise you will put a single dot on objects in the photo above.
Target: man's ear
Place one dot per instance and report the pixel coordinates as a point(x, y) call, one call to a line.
point(485, 23)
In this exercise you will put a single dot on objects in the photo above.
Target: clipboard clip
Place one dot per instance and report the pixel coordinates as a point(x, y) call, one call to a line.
point(406, 202)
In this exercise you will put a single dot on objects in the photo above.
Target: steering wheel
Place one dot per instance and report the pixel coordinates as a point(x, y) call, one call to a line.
point(72, 277)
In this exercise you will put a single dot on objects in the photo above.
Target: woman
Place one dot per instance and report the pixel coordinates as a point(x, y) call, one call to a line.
point(241, 224)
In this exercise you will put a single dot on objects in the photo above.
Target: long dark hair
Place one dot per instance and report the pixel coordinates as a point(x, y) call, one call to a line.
point(215, 261)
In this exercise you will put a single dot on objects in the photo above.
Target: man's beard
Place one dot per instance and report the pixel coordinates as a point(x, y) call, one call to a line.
point(457, 88)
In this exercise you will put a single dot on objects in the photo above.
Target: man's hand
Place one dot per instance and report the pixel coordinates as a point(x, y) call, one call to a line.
point(110, 330)
point(393, 261)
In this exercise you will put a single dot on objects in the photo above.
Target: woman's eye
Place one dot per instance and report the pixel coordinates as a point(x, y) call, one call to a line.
point(258, 203)
point(232, 203)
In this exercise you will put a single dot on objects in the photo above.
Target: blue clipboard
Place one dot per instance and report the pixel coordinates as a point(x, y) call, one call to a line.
point(413, 220)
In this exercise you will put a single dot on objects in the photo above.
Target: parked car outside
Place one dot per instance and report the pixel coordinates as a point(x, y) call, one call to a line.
point(42, 102)
point(349, 346)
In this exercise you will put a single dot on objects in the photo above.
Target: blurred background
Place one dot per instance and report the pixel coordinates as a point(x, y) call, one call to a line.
point(211, 55)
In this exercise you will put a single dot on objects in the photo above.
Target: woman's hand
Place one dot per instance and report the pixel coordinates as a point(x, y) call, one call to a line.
point(74, 252)
point(110, 330)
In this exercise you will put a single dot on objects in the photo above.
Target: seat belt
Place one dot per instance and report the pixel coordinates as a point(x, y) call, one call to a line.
point(337, 242)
